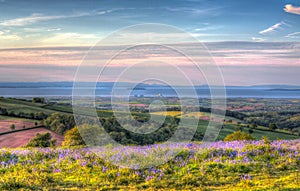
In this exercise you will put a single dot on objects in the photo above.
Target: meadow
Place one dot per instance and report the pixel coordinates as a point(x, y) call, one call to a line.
point(237, 165)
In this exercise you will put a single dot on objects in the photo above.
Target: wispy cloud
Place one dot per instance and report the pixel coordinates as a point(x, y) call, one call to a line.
point(36, 17)
point(256, 39)
point(273, 28)
point(53, 29)
point(41, 29)
point(71, 39)
point(4, 35)
point(207, 28)
point(292, 9)
point(293, 35)
point(195, 11)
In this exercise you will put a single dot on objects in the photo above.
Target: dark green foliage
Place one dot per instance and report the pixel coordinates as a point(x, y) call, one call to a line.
point(59, 123)
point(41, 140)
point(40, 115)
point(12, 127)
point(38, 100)
point(272, 126)
point(253, 125)
point(250, 131)
point(3, 111)
point(124, 136)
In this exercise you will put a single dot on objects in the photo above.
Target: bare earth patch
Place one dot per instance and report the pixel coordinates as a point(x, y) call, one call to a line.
point(19, 124)
point(21, 138)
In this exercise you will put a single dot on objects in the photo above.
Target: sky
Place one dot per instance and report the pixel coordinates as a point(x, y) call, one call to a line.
point(253, 42)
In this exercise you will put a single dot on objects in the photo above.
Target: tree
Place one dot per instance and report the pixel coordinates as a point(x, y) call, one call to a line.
point(239, 128)
point(40, 115)
point(238, 136)
point(250, 131)
point(59, 123)
point(73, 138)
point(253, 125)
point(273, 126)
point(3, 111)
point(38, 100)
point(41, 140)
point(12, 127)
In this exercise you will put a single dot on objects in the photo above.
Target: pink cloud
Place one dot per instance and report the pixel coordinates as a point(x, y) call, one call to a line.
point(292, 9)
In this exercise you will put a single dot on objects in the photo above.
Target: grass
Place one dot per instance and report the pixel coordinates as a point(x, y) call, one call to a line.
point(110, 113)
point(16, 118)
point(232, 166)
point(257, 133)
point(59, 108)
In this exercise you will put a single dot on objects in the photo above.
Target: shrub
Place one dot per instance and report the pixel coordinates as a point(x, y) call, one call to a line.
point(238, 136)
point(41, 140)
point(250, 131)
point(272, 126)
point(73, 138)
point(38, 100)
point(12, 127)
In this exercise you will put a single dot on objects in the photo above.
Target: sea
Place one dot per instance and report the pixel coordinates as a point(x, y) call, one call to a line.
point(63, 89)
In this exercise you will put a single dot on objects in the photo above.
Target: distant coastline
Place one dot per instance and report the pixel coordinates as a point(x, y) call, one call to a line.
point(104, 89)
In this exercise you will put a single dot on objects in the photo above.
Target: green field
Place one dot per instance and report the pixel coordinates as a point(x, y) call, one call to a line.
point(17, 106)
point(24, 106)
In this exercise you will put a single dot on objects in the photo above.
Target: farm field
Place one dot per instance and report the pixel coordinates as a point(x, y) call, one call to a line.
point(21, 138)
point(168, 113)
point(238, 165)
point(5, 123)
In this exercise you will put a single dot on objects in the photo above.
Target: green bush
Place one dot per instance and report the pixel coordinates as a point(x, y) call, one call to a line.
point(238, 136)
point(12, 127)
point(41, 140)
